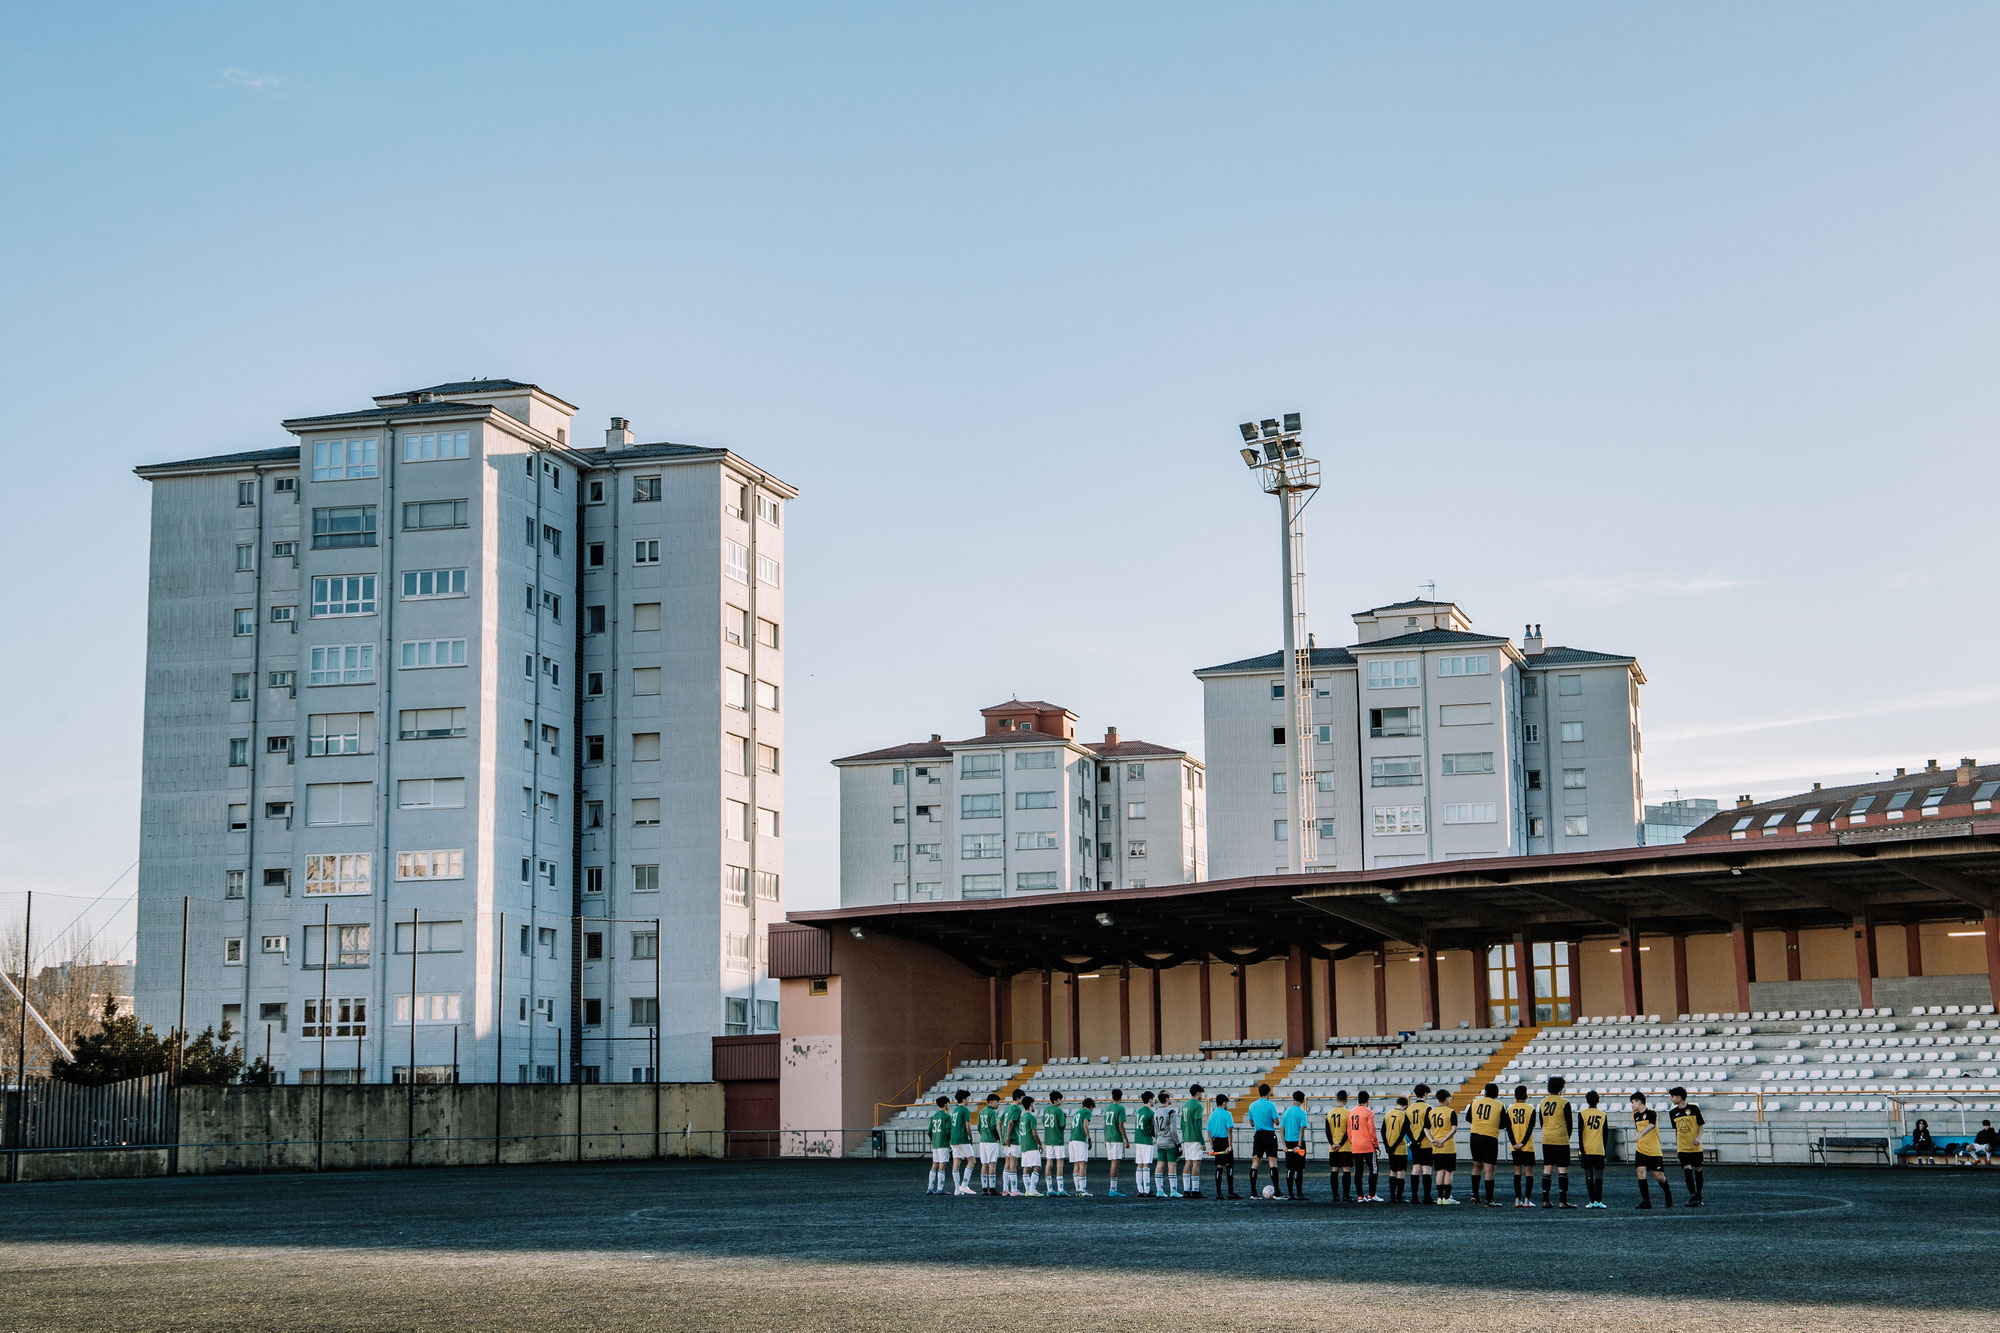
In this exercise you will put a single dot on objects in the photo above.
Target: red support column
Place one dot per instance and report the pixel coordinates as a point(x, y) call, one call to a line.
point(1864, 960)
point(1125, 1010)
point(1048, 1014)
point(1482, 987)
point(993, 1038)
point(1207, 1006)
point(1427, 969)
point(1913, 948)
point(1297, 1001)
point(1075, 1015)
point(1382, 991)
point(1791, 955)
point(1628, 961)
point(1242, 1000)
point(1992, 924)
point(1154, 973)
point(1332, 1008)
point(1524, 978)
point(1680, 974)
point(1745, 946)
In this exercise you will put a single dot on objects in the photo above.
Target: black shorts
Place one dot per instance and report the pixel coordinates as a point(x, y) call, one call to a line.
point(1264, 1143)
point(1343, 1159)
point(1485, 1149)
point(1399, 1161)
point(1295, 1149)
point(1690, 1157)
point(1443, 1161)
point(1420, 1156)
point(1524, 1157)
point(1593, 1161)
point(1218, 1145)
point(1555, 1154)
point(1648, 1162)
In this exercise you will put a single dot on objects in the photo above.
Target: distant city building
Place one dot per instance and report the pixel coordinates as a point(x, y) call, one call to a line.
point(1432, 743)
point(1905, 800)
point(1669, 822)
point(431, 684)
point(1022, 808)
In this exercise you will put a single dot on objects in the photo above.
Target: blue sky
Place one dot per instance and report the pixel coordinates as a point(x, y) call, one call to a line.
point(1672, 330)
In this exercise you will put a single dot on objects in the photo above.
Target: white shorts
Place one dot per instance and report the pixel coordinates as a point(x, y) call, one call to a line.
point(1031, 1158)
point(989, 1153)
point(1079, 1152)
point(1142, 1153)
point(1010, 1149)
point(940, 1154)
point(1190, 1152)
point(1114, 1151)
point(961, 1150)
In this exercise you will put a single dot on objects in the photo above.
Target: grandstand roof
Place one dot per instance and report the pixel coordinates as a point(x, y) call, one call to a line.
point(1933, 871)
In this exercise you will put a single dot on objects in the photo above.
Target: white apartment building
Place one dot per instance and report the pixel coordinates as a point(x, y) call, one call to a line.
point(460, 732)
point(1432, 742)
point(1021, 809)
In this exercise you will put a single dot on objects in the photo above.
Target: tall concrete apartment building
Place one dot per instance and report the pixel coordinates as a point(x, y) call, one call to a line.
point(456, 729)
point(1023, 808)
point(1432, 742)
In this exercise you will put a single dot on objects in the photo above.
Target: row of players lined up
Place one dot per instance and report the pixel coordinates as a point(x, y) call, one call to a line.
point(1010, 1141)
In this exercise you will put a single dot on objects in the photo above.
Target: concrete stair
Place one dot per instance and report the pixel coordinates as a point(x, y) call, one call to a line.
point(1016, 1083)
point(1281, 1071)
point(1490, 1071)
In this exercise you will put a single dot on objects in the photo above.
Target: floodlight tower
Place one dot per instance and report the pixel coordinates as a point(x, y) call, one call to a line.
point(1271, 448)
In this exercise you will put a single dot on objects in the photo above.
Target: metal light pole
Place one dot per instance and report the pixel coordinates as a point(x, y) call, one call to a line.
point(1271, 448)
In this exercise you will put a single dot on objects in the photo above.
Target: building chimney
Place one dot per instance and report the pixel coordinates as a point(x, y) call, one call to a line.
point(1531, 639)
point(1968, 769)
point(1815, 786)
point(1930, 766)
point(619, 436)
point(936, 737)
point(1902, 772)
point(1110, 737)
point(1743, 801)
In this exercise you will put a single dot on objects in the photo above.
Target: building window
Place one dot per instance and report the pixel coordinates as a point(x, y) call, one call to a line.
point(981, 846)
point(1573, 779)
point(646, 945)
point(736, 951)
point(335, 803)
point(981, 886)
point(239, 818)
point(1569, 685)
point(1323, 781)
point(1403, 673)
point(1034, 800)
point(767, 695)
point(280, 878)
point(429, 724)
point(552, 603)
point(1472, 664)
point(246, 494)
point(1479, 762)
point(232, 883)
point(1576, 826)
point(343, 595)
point(1023, 842)
point(767, 509)
point(645, 617)
point(1531, 733)
point(1572, 731)
point(246, 623)
point(646, 551)
point(645, 812)
point(1281, 830)
point(342, 664)
point(246, 558)
point(342, 526)
point(429, 515)
point(239, 686)
point(1471, 812)
point(419, 654)
point(343, 460)
point(979, 766)
point(344, 1018)
point(277, 809)
point(1398, 819)
point(429, 1009)
point(346, 873)
point(1397, 771)
point(239, 751)
point(420, 584)
point(1531, 687)
point(768, 571)
point(435, 446)
point(767, 822)
point(285, 550)
point(979, 807)
point(430, 936)
point(1035, 881)
point(431, 794)
point(447, 864)
point(1386, 723)
point(1464, 715)
point(232, 952)
point(277, 745)
point(645, 489)
point(1135, 847)
point(736, 885)
point(1534, 779)
point(1035, 759)
point(1279, 782)
point(1326, 830)
point(736, 560)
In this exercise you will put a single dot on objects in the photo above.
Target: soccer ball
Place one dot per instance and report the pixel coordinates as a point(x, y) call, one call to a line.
point(1270, 1191)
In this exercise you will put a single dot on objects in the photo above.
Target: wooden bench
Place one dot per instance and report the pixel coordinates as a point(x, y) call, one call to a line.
point(1827, 1143)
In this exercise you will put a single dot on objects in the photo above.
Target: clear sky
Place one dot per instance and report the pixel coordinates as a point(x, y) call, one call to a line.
point(1671, 328)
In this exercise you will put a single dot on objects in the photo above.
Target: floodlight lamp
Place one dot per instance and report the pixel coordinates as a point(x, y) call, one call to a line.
point(1270, 427)
point(1291, 448)
point(1272, 451)
point(1250, 458)
point(1291, 423)
point(1249, 429)
point(1104, 919)
point(1392, 897)
point(856, 932)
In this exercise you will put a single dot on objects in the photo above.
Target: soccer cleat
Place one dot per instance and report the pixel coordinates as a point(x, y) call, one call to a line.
point(1450, 1203)
point(1082, 1194)
point(1031, 1193)
point(1114, 1193)
point(963, 1189)
point(1566, 1207)
point(1643, 1206)
point(1527, 1203)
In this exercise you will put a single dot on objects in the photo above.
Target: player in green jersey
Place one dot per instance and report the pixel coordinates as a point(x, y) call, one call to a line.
point(940, 1147)
point(1079, 1146)
point(961, 1142)
point(1030, 1138)
point(1194, 1121)
point(1115, 1140)
point(1010, 1146)
point(988, 1130)
point(1144, 1149)
point(1055, 1135)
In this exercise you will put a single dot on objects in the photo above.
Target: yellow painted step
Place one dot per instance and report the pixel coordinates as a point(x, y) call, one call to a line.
point(1014, 1084)
point(1490, 1071)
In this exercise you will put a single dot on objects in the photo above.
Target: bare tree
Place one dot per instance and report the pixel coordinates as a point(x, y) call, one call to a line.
point(67, 988)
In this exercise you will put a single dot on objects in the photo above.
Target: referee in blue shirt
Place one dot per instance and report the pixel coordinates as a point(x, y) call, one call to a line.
point(1220, 1125)
point(1294, 1128)
point(1263, 1137)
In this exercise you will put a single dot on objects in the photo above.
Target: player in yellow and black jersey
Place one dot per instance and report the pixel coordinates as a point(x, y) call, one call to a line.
point(1420, 1144)
point(1686, 1119)
point(1556, 1120)
point(1521, 1140)
point(1339, 1152)
point(1646, 1151)
point(1591, 1132)
point(1482, 1135)
point(1441, 1133)
point(1396, 1133)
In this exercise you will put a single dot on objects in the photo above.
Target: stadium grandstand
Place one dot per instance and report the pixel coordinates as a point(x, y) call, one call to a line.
point(1813, 992)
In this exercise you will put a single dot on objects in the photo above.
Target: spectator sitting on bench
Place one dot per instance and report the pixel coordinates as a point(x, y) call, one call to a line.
point(1985, 1141)
point(1922, 1145)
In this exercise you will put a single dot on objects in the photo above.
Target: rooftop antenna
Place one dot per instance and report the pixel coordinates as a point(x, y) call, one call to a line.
point(1430, 591)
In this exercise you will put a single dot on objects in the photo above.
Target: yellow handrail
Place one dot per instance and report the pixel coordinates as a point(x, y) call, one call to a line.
point(895, 1099)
